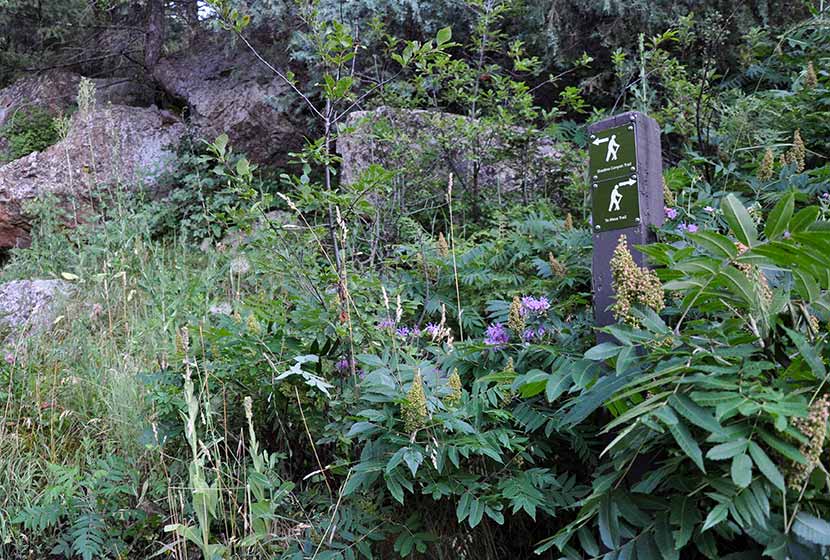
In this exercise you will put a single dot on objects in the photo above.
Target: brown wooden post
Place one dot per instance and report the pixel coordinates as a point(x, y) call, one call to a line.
point(626, 178)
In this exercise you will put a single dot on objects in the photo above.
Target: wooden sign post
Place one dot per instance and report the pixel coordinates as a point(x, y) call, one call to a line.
point(626, 177)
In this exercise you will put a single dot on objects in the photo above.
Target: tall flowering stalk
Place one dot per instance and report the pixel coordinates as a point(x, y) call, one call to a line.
point(815, 428)
point(633, 285)
point(414, 408)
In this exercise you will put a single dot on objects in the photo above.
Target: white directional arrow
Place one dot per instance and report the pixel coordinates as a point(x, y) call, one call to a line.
point(599, 141)
point(628, 183)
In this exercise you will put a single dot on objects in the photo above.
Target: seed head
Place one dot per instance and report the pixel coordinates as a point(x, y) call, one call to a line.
point(454, 384)
point(414, 408)
point(798, 152)
point(810, 77)
point(556, 268)
point(515, 318)
point(765, 170)
point(668, 195)
point(633, 285)
point(569, 222)
point(443, 246)
point(815, 428)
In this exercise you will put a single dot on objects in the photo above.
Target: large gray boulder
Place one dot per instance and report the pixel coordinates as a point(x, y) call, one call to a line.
point(30, 306)
point(421, 148)
point(53, 91)
point(56, 91)
point(119, 146)
point(229, 91)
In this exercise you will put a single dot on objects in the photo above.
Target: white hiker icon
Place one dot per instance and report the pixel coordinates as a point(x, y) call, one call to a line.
point(616, 198)
point(613, 148)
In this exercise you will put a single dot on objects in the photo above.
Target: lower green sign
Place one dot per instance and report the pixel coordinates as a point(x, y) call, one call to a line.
point(615, 203)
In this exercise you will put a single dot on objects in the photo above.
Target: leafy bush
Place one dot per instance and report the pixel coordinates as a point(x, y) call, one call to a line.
point(29, 130)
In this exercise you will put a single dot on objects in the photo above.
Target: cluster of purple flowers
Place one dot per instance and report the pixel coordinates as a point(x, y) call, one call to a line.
point(432, 329)
point(534, 305)
point(688, 228)
point(534, 335)
point(825, 196)
point(709, 209)
point(406, 332)
point(496, 335)
point(671, 213)
point(386, 324)
point(344, 365)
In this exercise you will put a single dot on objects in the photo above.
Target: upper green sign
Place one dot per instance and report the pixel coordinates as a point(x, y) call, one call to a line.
point(613, 153)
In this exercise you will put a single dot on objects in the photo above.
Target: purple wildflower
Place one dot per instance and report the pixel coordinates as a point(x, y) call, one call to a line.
point(343, 365)
point(787, 234)
point(403, 332)
point(9, 358)
point(496, 335)
point(528, 335)
point(688, 228)
point(709, 209)
point(671, 213)
point(386, 323)
point(531, 304)
point(825, 196)
point(432, 329)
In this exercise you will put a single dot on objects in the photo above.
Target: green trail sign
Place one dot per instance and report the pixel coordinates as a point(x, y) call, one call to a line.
point(613, 173)
point(613, 153)
point(626, 177)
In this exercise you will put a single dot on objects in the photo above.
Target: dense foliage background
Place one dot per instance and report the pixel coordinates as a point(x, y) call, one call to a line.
point(272, 363)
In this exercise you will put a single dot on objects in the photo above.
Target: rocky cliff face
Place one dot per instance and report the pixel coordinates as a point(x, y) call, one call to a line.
point(230, 91)
point(117, 146)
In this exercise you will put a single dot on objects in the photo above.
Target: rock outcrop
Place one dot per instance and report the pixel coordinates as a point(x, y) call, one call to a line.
point(112, 146)
point(423, 147)
point(57, 90)
point(54, 91)
point(29, 306)
point(230, 91)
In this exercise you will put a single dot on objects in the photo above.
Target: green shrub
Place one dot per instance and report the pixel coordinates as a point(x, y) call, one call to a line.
point(29, 130)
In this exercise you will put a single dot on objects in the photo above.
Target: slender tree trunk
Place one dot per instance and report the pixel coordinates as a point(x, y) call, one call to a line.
point(154, 34)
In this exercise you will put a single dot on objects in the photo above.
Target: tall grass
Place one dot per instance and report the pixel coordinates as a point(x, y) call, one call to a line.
point(76, 394)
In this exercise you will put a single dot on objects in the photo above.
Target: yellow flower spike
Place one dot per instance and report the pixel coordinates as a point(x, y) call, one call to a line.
point(765, 170)
point(414, 408)
point(515, 320)
point(454, 383)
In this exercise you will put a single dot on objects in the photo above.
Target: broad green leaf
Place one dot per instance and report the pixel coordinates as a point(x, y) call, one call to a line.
point(603, 351)
point(766, 466)
point(717, 244)
point(812, 529)
point(684, 514)
point(557, 384)
point(804, 218)
point(664, 540)
point(808, 352)
point(786, 449)
point(779, 217)
point(718, 514)
point(444, 35)
point(739, 220)
point(741, 470)
point(688, 444)
point(413, 459)
point(609, 527)
point(738, 284)
point(694, 413)
point(727, 450)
